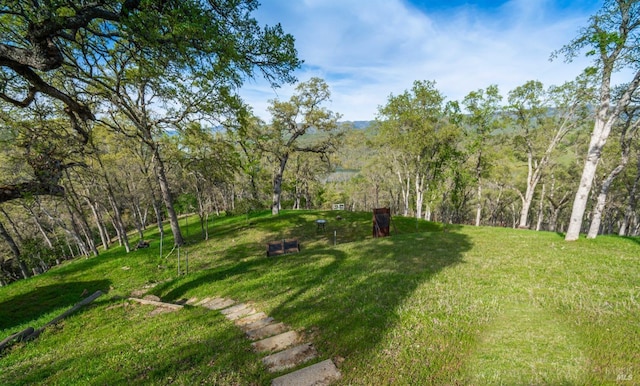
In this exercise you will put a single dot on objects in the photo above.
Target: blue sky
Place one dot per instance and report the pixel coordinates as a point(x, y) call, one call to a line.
point(367, 50)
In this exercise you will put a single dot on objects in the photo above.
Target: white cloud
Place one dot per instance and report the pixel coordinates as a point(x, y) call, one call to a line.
point(368, 50)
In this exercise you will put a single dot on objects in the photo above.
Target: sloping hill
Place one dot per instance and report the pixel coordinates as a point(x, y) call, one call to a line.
point(469, 305)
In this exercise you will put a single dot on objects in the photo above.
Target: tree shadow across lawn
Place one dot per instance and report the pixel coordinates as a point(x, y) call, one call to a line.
point(346, 297)
point(42, 300)
point(354, 297)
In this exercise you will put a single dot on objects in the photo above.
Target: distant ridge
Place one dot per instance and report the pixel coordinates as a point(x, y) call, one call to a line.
point(358, 124)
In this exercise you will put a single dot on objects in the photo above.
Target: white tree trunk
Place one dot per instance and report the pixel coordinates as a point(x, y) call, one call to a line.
point(601, 129)
point(405, 184)
point(527, 198)
point(631, 204)
point(479, 204)
point(594, 229)
point(163, 182)
point(277, 185)
point(419, 194)
point(541, 209)
point(582, 195)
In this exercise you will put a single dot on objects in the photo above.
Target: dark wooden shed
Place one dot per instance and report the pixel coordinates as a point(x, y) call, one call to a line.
point(381, 222)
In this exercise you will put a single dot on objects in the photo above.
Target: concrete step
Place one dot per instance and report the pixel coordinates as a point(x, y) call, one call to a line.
point(218, 303)
point(257, 324)
point(267, 331)
point(290, 358)
point(322, 373)
point(277, 343)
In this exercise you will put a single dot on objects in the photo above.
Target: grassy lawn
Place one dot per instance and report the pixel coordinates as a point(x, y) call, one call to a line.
point(463, 306)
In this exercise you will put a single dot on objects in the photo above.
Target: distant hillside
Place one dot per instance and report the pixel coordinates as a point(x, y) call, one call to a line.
point(359, 124)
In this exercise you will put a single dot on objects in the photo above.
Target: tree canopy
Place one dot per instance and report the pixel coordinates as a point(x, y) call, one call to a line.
point(46, 45)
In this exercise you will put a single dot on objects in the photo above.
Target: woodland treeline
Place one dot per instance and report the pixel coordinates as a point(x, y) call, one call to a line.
point(121, 115)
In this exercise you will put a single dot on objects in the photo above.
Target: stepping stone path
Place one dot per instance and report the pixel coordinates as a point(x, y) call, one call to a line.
point(282, 346)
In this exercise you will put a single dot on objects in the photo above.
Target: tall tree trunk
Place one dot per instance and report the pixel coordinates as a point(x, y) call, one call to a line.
point(97, 217)
point(631, 203)
point(277, 185)
point(15, 250)
point(526, 200)
point(541, 209)
point(77, 231)
point(598, 209)
point(73, 203)
point(297, 195)
point(206, 228)
point(605, 119)
point(307, 198)
point(118, 231)
point(36, 219)
point(201, 206)
point(135, 208)
point(627, 135)
point(154, 203)
point(419, 194)
point(137, 218)
point(405, 185)
point(14, 227)
point(377, 194)
point(556, 207)
point(479, 189)
point(166, 197)
point(479, 204)
point(117, 219)
point(57, 220)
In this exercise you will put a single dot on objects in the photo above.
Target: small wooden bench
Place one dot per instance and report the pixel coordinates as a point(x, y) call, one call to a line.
point(275, 248)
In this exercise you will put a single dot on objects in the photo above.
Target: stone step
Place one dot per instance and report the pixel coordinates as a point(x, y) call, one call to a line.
point(238, 311)
point(267, 331)
point(322, 373)
point(277, 343)
point(233, 309)
point(203, 301)
point(218, 303)
point(241, 314)
point(191, 301)
point(157, 303)
point(250, 319)
point(257, 324)
point(290, 358)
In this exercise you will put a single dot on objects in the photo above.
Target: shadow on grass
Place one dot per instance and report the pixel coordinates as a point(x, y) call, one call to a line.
point(185, 350)
point(355, 301)
point(346, 297)
point(42, 300)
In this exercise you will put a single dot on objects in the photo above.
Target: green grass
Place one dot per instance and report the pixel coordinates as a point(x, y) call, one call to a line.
point(466, 306)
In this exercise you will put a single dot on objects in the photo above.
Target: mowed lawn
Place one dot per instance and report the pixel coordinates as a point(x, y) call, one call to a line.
point(459, 305)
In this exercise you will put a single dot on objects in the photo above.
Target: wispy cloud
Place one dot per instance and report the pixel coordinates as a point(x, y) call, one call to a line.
point(369, 50)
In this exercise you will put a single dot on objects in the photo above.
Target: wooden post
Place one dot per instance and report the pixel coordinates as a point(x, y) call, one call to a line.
point(17, 336)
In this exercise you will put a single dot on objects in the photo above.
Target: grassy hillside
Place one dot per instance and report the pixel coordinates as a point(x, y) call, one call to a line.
point(425, 306)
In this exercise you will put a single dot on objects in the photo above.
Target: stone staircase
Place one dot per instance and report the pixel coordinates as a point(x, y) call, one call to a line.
point(283, 348)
